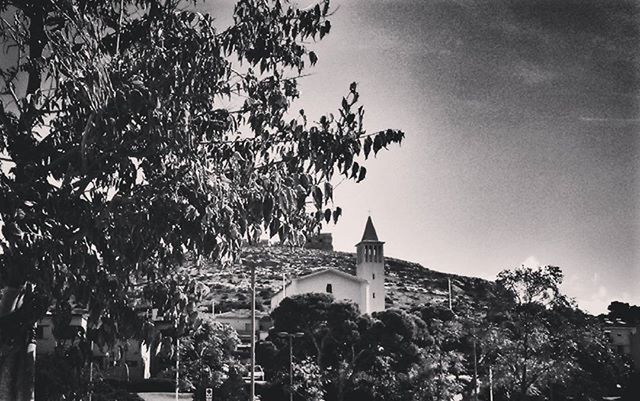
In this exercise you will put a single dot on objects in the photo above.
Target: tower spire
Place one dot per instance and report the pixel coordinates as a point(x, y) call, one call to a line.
point(370, 267)
point(369, 231)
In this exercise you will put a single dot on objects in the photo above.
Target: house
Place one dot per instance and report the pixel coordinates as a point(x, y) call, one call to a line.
point(128, 360)
point(365, 289)
point(46, 341)
point(626, 340)
point(240, 321)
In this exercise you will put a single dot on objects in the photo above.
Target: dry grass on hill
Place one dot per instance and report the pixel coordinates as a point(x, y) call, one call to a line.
point(407, 283)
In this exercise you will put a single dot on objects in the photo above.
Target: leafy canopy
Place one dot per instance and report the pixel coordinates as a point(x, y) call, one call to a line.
point(130, 137)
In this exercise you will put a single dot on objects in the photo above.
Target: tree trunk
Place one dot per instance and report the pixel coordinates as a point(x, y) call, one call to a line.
point(17, 348)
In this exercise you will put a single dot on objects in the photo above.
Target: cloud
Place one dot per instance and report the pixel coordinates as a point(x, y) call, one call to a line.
point(531, 262)
point(597, 302)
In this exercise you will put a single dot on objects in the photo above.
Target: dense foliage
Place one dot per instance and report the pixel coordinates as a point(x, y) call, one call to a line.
point(61, 377)
point(535, 342)
point(135, 132)
point(207, 360)
point(622, 312)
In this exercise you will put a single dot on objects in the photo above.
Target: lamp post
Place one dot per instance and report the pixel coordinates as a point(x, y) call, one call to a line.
point(291, 336)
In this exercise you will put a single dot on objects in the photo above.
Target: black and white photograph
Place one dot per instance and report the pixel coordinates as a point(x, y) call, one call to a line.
point(319, 200)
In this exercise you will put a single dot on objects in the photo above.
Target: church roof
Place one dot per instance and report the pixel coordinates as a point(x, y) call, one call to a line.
point(369, 232)
point(333, 271)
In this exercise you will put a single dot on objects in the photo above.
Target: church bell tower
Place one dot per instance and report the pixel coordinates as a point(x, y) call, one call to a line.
point(370, 266)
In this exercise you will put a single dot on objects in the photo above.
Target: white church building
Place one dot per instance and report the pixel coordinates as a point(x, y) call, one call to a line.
point(365, 289)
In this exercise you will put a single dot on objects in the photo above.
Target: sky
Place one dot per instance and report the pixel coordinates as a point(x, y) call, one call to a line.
point(522, 144)
point(522, 124)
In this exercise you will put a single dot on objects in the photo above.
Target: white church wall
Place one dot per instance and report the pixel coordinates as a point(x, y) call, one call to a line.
point(291, 289)
point(341, 288)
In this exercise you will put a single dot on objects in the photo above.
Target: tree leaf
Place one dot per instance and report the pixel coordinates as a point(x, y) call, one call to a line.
point(313, 58)
point(367, 146)
point(336, 214)
point(363, 173)
point(317, 197)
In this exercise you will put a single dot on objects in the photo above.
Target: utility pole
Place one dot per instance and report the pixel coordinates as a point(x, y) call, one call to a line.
point(475, 372)
point(253, 333)
point(284, 286)
point(177, 365)
point(490, 384)
point(290, 367)
point(291, 337)
point(450, 303)
point(91, 372)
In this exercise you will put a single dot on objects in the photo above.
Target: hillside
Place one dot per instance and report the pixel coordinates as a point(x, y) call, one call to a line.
point(407, 283)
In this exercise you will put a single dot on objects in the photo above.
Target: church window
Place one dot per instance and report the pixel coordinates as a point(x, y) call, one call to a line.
point(329, 288)
point(374, 294)
point(374, 276)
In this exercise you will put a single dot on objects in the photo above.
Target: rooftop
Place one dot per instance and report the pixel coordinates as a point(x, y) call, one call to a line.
point(369, 232)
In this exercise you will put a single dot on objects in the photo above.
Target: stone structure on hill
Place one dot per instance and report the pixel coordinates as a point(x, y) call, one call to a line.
point(365, 289)
point(322, 241)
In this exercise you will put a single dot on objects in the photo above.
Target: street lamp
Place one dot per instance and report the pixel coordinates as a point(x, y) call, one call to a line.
point(291, 336)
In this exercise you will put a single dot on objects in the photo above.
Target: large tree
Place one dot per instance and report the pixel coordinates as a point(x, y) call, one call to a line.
point(133, 132)
point(541, 345)
point(381, 357)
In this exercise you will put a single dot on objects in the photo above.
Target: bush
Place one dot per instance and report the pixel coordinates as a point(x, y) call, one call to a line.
point(58, 378)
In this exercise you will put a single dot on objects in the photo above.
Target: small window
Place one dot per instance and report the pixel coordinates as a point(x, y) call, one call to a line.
point(374, 294)
point(329, 288)
point(374, 276)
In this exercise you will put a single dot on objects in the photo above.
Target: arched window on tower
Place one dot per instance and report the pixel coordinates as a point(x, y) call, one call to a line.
point(329, 288)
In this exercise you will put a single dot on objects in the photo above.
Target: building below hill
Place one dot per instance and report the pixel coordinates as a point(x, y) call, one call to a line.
point(240, 321)
point(127, 360)
point(626, 340)
point(365, 289)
